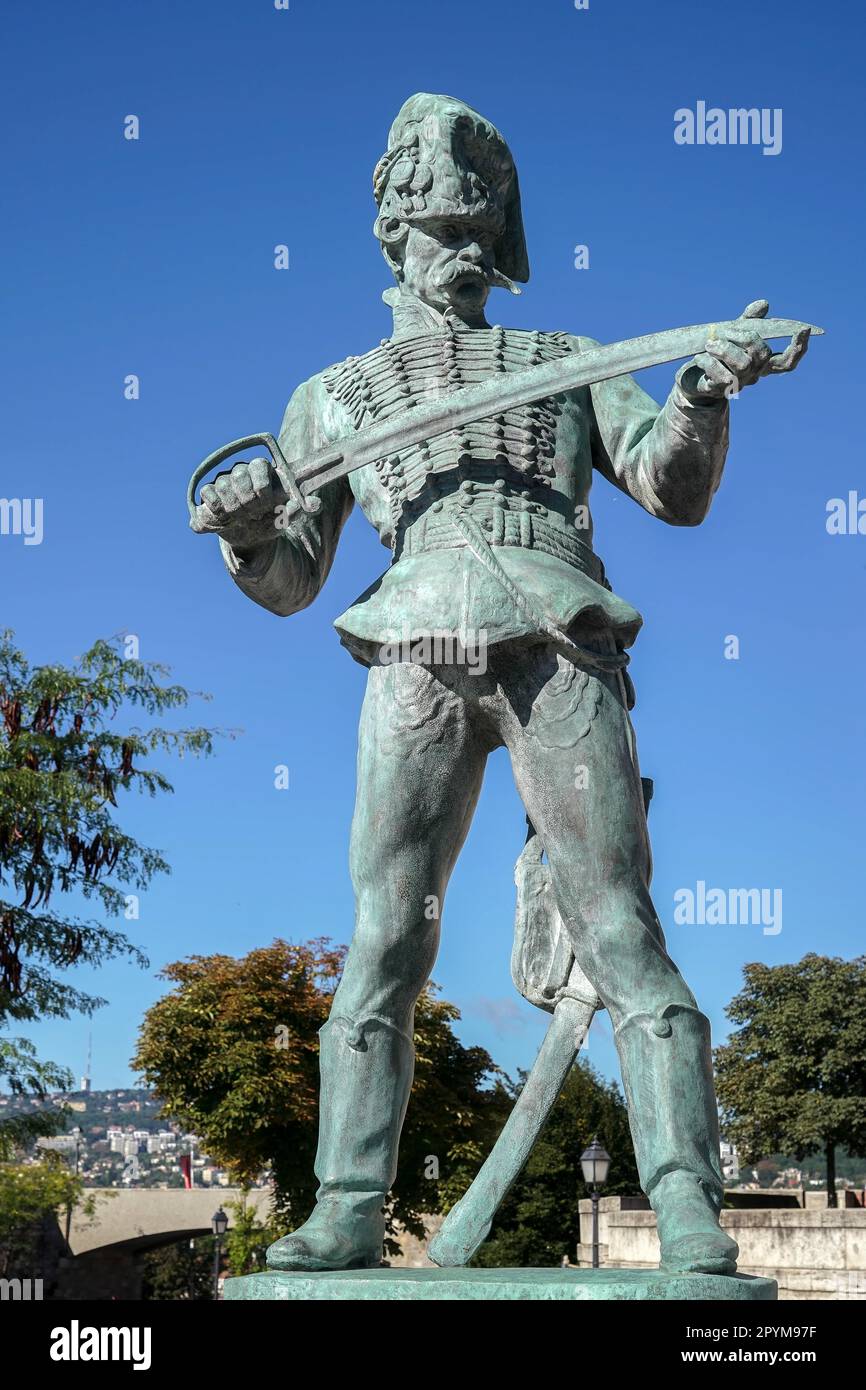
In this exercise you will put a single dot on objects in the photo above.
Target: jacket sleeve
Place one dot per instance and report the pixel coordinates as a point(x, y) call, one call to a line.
point(286, 574)
point(669, 459)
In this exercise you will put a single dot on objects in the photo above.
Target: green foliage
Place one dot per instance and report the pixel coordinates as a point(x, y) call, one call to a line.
point(792, 1078)
point(539, 1221)
point(247, 1238)
point(63, 763)
point(232, 1052)
point(26, 1074)
point(460, 1100)
point(28, 1193)
point(183, 1271)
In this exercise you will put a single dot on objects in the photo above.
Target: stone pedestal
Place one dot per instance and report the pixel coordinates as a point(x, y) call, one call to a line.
point(497, 1284)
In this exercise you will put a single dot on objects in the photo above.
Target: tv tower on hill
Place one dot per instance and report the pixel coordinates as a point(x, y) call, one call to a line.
point(86, 1079)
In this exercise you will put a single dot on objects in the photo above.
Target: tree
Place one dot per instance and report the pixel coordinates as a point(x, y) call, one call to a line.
point(247, 1238)
point(63, 762)
point(792, 1079)
point(232, 1052)
point(28, 1194)
point(182, 1271)
point(539, 1221)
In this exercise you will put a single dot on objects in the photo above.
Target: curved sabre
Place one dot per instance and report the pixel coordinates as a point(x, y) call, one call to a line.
point(505, 391)
point(469, 1221)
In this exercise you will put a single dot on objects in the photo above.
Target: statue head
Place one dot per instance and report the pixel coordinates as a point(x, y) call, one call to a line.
point(449, 221)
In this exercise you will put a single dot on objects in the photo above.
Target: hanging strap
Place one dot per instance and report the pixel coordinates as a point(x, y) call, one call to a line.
point(477, 543)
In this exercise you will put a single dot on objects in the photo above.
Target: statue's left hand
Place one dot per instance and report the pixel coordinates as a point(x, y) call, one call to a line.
point(738, 358)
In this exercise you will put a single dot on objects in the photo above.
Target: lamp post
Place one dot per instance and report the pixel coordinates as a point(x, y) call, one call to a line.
point(595, 1162)
point(219, 1224)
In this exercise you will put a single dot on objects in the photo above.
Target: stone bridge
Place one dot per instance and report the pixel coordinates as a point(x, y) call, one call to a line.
point(104, 1254)
point(142, 1218)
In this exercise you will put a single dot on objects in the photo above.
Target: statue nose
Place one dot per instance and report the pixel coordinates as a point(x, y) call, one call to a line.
point(472, 252)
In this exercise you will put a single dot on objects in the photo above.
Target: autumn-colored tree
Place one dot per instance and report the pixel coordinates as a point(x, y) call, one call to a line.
point(792, 1078)
point(65, 757)
point(232, 1052)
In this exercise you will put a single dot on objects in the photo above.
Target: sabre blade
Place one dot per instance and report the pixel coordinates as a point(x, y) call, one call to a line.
point(514, 389)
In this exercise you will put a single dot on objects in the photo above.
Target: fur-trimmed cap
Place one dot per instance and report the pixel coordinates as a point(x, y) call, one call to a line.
point(445, 161)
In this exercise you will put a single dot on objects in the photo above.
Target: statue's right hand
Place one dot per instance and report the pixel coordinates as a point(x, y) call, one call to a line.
point(241, 505)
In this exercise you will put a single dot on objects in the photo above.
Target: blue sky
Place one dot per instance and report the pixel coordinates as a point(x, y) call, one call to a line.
point(155, 257)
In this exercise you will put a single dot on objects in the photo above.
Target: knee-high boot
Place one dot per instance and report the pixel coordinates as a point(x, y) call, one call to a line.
point(365, 1070)
point(668, 1077)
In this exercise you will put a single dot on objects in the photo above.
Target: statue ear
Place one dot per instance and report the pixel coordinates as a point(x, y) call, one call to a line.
point(391, 234)
point(391, 231)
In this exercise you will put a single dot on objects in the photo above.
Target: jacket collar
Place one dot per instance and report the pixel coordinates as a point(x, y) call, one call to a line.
point(413, 317)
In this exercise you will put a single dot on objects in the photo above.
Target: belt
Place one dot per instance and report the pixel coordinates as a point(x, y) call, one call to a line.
point(525, 528)
point(460, 526)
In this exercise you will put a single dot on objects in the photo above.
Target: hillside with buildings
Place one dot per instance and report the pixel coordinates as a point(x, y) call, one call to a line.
point(121, 1138)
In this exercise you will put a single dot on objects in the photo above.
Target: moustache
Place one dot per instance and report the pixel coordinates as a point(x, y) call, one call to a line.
point(463, 270)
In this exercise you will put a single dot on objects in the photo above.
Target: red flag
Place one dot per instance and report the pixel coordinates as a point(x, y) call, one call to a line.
point(186, 1169)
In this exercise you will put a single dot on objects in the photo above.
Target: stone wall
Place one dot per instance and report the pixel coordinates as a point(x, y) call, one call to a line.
point(812, 1254)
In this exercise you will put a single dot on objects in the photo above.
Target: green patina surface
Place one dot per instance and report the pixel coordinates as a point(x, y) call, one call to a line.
point(440, 1285)
point(492, 548)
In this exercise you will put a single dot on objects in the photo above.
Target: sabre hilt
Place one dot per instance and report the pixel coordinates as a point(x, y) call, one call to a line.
point(310, 505)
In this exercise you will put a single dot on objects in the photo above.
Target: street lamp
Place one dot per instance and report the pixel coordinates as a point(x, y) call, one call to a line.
point(219, 1225)
point(595, 1162)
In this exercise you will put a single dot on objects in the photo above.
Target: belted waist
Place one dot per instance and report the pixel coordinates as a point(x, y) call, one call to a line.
point(531, 527)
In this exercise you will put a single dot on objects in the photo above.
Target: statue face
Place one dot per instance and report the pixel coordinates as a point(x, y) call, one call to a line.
point(449, 264)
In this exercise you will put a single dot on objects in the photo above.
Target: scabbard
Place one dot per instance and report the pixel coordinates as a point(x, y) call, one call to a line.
point(469, 1220)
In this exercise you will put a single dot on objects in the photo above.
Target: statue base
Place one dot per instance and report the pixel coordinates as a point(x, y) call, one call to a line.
point(410, 1285)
